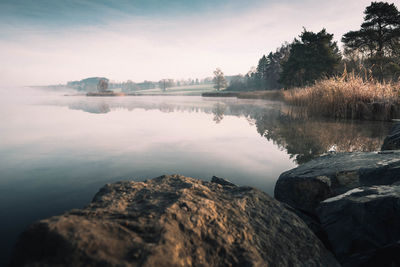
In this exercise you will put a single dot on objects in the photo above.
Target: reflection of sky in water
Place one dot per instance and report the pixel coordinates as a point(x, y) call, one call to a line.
point(57, 151)
point(134, 141)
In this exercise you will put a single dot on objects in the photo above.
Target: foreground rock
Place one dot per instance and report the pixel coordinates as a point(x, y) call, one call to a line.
point(363, 226)
point(392, 141)
point(306, 186)
point(352, 202)
point(174, 221)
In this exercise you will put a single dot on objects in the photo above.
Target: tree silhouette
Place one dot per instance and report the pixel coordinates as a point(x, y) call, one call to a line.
point(312, 57)
point(102, 86)
point(219, 80)
point(378, 39)
point(165, 83)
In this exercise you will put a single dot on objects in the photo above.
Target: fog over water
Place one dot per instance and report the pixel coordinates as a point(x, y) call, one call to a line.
point(56, 151)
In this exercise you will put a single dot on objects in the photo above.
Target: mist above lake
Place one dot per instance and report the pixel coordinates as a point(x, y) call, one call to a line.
point(57, 151)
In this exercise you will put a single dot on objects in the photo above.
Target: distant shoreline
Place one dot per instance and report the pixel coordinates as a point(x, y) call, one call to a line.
point(261, 94)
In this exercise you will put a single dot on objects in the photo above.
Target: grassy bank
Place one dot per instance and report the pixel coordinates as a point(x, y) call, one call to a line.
point(342, 97)
point(270, 94)
point(220, 94)
point(347, 96)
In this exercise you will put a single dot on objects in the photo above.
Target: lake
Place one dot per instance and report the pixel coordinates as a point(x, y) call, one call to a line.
point(56, 151)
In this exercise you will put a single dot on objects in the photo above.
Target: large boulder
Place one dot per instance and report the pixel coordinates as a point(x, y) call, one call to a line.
point(173, 221)
point(306, 186)
point(392, 141)
point(363, 225)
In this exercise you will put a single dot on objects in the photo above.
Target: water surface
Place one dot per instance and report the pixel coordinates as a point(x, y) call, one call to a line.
point(56, 151)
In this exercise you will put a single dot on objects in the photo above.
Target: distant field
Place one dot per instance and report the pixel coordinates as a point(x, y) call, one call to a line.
point(180, 90)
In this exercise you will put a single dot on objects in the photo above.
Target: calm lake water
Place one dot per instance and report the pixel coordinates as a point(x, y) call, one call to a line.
point(56, 151)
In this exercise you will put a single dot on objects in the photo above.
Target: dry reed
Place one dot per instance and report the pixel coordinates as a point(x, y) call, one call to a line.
point(348, 96)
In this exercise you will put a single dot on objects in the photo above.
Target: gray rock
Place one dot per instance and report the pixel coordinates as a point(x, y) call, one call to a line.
point(307, 185)
point(313, 223)
point(173, 221)
point(392, 141)
point(363, 225)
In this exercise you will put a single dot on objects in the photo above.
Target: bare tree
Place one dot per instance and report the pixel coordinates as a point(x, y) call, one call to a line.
point(102, 86)
point(219, 80)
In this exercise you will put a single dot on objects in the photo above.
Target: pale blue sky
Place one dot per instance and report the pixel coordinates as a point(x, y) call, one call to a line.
point(78, 12)
point(48, 41)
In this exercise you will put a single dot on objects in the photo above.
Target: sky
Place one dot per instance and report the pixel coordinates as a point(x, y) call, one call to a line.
point(54, 41)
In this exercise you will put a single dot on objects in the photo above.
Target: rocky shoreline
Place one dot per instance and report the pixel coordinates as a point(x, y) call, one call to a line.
point(351, 201)
point(339, 209)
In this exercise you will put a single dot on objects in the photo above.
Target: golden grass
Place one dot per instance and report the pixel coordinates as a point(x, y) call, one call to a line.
point(348, 96)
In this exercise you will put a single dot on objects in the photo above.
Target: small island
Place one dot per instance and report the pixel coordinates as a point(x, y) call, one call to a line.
point(102, 89)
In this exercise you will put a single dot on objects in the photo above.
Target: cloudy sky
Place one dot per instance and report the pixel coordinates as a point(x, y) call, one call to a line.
point(54, 41)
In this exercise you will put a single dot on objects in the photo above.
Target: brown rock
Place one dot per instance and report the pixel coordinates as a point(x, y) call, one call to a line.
point(173, 221)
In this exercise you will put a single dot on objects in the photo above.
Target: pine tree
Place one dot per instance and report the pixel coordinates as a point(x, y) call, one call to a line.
point(312, 57)
point(378, 39)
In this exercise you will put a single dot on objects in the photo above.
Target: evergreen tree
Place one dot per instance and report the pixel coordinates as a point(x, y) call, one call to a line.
point(261, 76)
point(269, 69)
point(312, 57)
point(274, 67)
point(378, 40)
point(251, 79)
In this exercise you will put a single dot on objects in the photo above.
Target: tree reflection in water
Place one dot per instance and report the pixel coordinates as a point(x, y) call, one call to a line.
point(218, 111)
point(303, 138)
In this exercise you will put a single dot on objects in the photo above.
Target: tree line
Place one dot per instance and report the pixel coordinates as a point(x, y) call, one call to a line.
point(372, 51)
point(90, 84)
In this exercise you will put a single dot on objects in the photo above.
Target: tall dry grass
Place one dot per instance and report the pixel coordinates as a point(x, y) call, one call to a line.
point(348, 96)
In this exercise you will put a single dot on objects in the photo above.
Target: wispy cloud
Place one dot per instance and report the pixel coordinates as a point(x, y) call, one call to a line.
point(154, 45)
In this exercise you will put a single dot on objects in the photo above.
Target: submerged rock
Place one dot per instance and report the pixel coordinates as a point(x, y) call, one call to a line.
point(392, 141)
point(174, 221)
point(306, 186)
point(363, 225)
